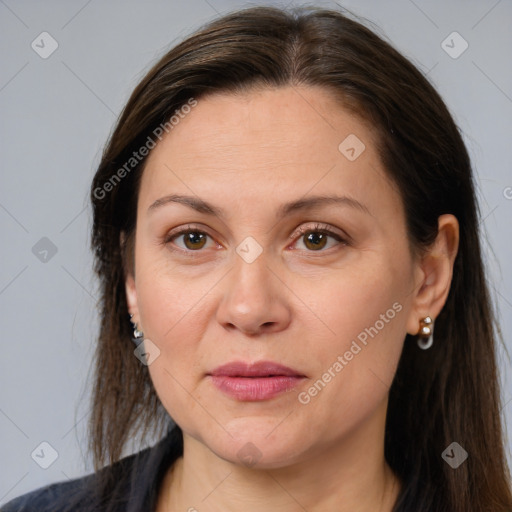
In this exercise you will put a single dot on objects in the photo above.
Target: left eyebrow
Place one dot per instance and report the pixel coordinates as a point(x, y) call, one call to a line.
point(318, 201)
point(308, 203)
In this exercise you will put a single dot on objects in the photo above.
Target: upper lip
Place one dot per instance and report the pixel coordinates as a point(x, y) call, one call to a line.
point(258, 369)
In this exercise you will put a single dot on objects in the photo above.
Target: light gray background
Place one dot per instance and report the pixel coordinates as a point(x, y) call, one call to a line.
point(56, 114)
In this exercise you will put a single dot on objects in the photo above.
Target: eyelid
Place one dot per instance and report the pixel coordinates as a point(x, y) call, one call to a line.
point(182, 230)
point(341, 236)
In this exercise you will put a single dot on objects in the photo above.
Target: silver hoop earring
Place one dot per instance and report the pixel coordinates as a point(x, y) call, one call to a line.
point(426, 333)
point(138, 335)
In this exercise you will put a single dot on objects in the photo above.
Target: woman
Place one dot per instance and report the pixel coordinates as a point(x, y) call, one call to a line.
point(283, 214)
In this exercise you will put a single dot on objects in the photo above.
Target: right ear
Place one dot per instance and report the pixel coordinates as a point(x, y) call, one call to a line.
point(131, 298)
point(129, 282)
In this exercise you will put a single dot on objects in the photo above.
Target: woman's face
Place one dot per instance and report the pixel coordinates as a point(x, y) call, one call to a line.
point(296, 255)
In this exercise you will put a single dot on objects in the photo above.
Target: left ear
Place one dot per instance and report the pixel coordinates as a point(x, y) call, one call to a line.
point(434, 273)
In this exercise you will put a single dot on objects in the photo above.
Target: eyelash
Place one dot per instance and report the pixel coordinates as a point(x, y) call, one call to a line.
point(301, 231)
point(319, 228)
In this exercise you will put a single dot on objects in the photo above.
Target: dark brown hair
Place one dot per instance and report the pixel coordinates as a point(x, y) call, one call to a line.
point(447, 393)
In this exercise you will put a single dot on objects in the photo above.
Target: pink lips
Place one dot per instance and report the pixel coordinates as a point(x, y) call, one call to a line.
point(254, 382)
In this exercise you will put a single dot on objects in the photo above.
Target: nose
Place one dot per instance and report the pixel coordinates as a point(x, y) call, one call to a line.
point(255, 299)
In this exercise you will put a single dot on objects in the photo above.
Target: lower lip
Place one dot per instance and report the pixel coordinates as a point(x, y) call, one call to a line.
point(255, 388)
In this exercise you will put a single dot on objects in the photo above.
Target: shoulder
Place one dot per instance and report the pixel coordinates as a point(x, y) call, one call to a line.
point(128, 483)
point(88, 493)
point(56, 497)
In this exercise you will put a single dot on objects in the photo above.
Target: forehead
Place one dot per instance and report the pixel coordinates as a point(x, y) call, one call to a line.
point(291, 120)
point(287, 140)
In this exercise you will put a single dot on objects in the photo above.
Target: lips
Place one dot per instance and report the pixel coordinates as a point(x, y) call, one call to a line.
point(254, 382)
point(260, 369)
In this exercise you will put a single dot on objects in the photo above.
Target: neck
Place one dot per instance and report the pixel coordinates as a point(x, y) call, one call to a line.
point(348, 475)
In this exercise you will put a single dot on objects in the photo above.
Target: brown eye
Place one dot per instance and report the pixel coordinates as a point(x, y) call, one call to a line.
point(194, 240)
point(315, 240)
point(191, 240)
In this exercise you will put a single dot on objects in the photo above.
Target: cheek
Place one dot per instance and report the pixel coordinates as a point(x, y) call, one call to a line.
point(363, 318)
point(175, 309)
point(356, 298)
point(173, 314)
point(171, 298)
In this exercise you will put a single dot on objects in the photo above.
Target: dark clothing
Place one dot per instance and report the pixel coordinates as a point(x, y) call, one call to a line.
point(130, 485)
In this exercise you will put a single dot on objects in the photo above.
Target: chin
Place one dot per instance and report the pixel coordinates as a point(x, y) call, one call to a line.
point(257, 443)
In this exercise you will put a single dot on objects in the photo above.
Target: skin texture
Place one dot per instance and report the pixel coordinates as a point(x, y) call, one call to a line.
point(296, 304)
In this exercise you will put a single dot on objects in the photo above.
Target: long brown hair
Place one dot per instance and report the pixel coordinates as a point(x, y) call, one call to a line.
point(446, 394)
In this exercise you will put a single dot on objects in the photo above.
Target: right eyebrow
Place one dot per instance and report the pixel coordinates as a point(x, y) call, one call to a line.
point(193, 202)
